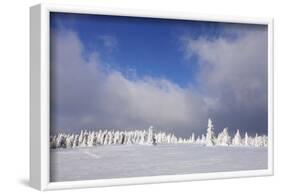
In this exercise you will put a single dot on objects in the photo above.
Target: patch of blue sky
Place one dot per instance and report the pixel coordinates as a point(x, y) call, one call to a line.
point(140, 47)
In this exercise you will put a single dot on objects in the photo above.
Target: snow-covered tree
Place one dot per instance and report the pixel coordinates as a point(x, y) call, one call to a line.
point(192, 138)
point(210, 135)
point(69, 141)
point(75, 141)
point(237, 138)
point(258, 141)
point(246, 139)
point(84, 142)
point(264, 140)
point(81, 136)
point(198, 140)
point(150, 135)
point(174, 139)
point(224, 138)
point(60, 141)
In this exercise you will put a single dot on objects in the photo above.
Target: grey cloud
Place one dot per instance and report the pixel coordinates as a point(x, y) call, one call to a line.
point(234, 77)
point(84, 95)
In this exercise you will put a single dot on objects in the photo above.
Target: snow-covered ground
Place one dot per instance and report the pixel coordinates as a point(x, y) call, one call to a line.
point(120, 161)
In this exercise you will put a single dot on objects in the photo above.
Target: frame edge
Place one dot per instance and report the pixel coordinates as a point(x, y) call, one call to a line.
point(39, 69)
point(35, 103)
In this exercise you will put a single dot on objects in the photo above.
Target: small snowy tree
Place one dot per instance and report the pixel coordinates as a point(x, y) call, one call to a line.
point(210, 136)
point(203, 139)
point(69, 141)
point(150, 135)
point(180, 140)
point(75, 141)
point(198, 140)
point(264, 140)
point(246, 139)
point(258, 142)
point(81, 136)
point(237, 138)
point(174, 139)
point(192, 139)
point(59, 141)
point(224, 138)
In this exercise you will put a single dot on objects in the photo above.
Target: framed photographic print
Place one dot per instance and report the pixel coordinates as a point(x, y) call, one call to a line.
point(133, 97)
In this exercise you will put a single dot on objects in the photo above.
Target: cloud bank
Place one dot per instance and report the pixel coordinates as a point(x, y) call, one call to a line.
point(233, 77)
point(231, 88)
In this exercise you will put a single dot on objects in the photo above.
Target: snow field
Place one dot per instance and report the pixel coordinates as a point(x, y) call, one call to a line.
point(122, 161)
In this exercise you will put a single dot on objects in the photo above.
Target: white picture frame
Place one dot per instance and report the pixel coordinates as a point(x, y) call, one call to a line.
point(39, 97)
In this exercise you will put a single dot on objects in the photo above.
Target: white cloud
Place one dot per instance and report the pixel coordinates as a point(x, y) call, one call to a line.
point(109, 41)
point(236, 66)
point(84, 95)
point(233, 75)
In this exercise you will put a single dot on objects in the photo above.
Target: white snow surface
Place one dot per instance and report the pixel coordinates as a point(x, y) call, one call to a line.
point(123, 161)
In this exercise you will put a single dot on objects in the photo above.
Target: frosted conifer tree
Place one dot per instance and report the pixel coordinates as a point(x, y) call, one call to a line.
point(150, 135)
point(141, 139)
point(257, 141)
point(264, 140)
point(174, 139)
point(237, 138)
point(203, 139)
point(198, 140)
point(192, 139)
point(180, 140)
point(59, 141)
point(246, 139)
point(210, 136)
point(116, 137)
point(81, 136)
point(84, 142)
point(224, 138)
point(109, 138)
point(75, 141)
point(69, 141)
point(92, 139)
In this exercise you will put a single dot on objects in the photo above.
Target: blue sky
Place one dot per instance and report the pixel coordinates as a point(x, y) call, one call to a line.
point(149, 46)
point(194, 69)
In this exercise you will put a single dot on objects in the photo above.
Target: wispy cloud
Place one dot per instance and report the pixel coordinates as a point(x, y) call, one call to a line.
point(109, 41)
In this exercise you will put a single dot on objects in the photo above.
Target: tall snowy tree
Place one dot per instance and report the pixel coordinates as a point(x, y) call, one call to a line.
point(210, 135)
